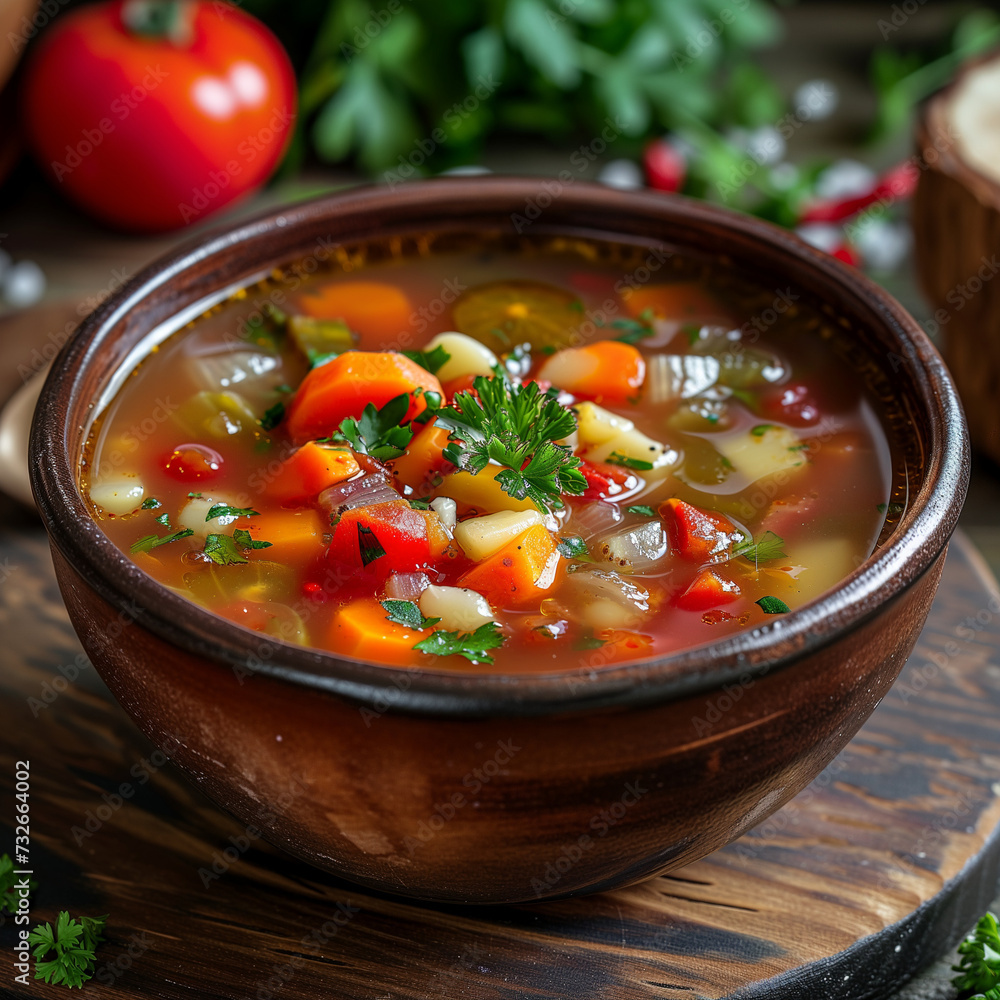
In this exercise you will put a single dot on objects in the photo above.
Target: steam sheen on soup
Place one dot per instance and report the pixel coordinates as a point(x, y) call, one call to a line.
point(507, 458)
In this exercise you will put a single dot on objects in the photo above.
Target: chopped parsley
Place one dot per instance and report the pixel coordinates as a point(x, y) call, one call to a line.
point(273, 416)
point(163, 519)
point(150, 503)
point(195, 496)
point(419, 503)
point(761, 429)
point(772, 606)
point(768, 546)
point(632, 331)
point(642, 508)
point(378, 432)
point(433, 360)
point(368, 545)
point(228, 549)
point(471, 645)
point(407, 613)
point(626, 462)
point(588, 642)
point(573, 547)
point(224, 510)
point(153, 541)
point(516, 426)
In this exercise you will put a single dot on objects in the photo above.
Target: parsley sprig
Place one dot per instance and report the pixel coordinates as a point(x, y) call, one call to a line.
point(516, 426)
point(979, 961)
point(433, 360)
point(471, 645)
point(379, 432)
point(153, 541)
point(769, 546)
point(228, 549)
point(407, 613)
point(74, 944)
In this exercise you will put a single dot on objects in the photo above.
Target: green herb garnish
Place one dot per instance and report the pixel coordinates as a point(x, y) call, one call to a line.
point(471, 645)
point(273, 416)
point(419, 503)
point(633, 330)
point(163, 519)
point(642, 508)
point(407, 613)
point(772, 606)
point(573, 547)
point(8, 898)
point(378, 433)
point(195, 496)
point(761, 429)
point(979, 961)
point(368, 545)
point(224, 510)
point(588, 642)
point(769, 546)
point(433, 360)
point(227, 549)
point(74, 943)
point(150, 503)
point(518, 427)
point(617, 458)
point(153, 541)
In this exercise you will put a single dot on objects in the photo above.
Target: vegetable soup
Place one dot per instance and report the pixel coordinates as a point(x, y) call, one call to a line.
point(506, 456)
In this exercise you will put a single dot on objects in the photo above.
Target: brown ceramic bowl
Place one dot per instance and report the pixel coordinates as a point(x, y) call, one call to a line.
point(480, 787)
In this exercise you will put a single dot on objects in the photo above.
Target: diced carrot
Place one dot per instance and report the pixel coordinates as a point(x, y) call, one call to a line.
point(423, 461)
point(519, 573)
point(342, 388)
point(371, 308)
point(463, 383)
point(681, 301)
point(708, 590)
point(387, 538)
point(605, 371)
point(296, 536)
point(697, 534)
point(362, 629)
point(311, 469)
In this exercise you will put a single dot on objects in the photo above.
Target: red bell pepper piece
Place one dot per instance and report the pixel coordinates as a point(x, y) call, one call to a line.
point(696, 534)
point(707, 591)
point(603, 481)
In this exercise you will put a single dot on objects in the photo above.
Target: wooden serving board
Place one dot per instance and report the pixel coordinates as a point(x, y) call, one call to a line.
point(870, 873)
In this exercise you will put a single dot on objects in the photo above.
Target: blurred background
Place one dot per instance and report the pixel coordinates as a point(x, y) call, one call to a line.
point(128, 127)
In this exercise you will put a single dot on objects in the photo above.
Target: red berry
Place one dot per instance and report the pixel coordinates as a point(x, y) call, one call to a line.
point(665, 167)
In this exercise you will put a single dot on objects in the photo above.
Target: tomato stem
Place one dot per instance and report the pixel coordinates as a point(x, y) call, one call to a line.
point(170, 20)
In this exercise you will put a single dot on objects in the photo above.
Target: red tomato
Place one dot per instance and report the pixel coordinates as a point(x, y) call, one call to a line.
point(665, 167)
point(149, 130)
point(792, 404)
point(191, 462)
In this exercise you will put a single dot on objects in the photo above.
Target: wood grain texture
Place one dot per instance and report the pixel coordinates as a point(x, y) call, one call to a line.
point(872, 871)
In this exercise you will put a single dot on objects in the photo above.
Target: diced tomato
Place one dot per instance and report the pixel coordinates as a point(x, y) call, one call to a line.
point(190, 463)
point(708, 590)
point(604, 481)
point(665, 167)
point(387, 538)
point(791, 404)
point(697, 534)
point(461, 384)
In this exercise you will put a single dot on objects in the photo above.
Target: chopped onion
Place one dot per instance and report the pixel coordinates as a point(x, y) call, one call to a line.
point(447, 510)
point(637, 550)
point(254, 374)
point(594, 520)
point(600, 599)
point(362, 491)
point(459, 608)
point(679, 376)
point(406, 586)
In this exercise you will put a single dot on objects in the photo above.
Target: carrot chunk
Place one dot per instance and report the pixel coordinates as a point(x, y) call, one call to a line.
point(371, 308)
point(362, 629)
point(519, 573)
point(423, 462)
point(344, 386)
point(606, 371)
point(697, 534)
point(311, 469)
point(707, 591)
point(296, 536)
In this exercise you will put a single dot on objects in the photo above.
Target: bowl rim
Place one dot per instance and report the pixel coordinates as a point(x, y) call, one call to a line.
point(917, 542)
